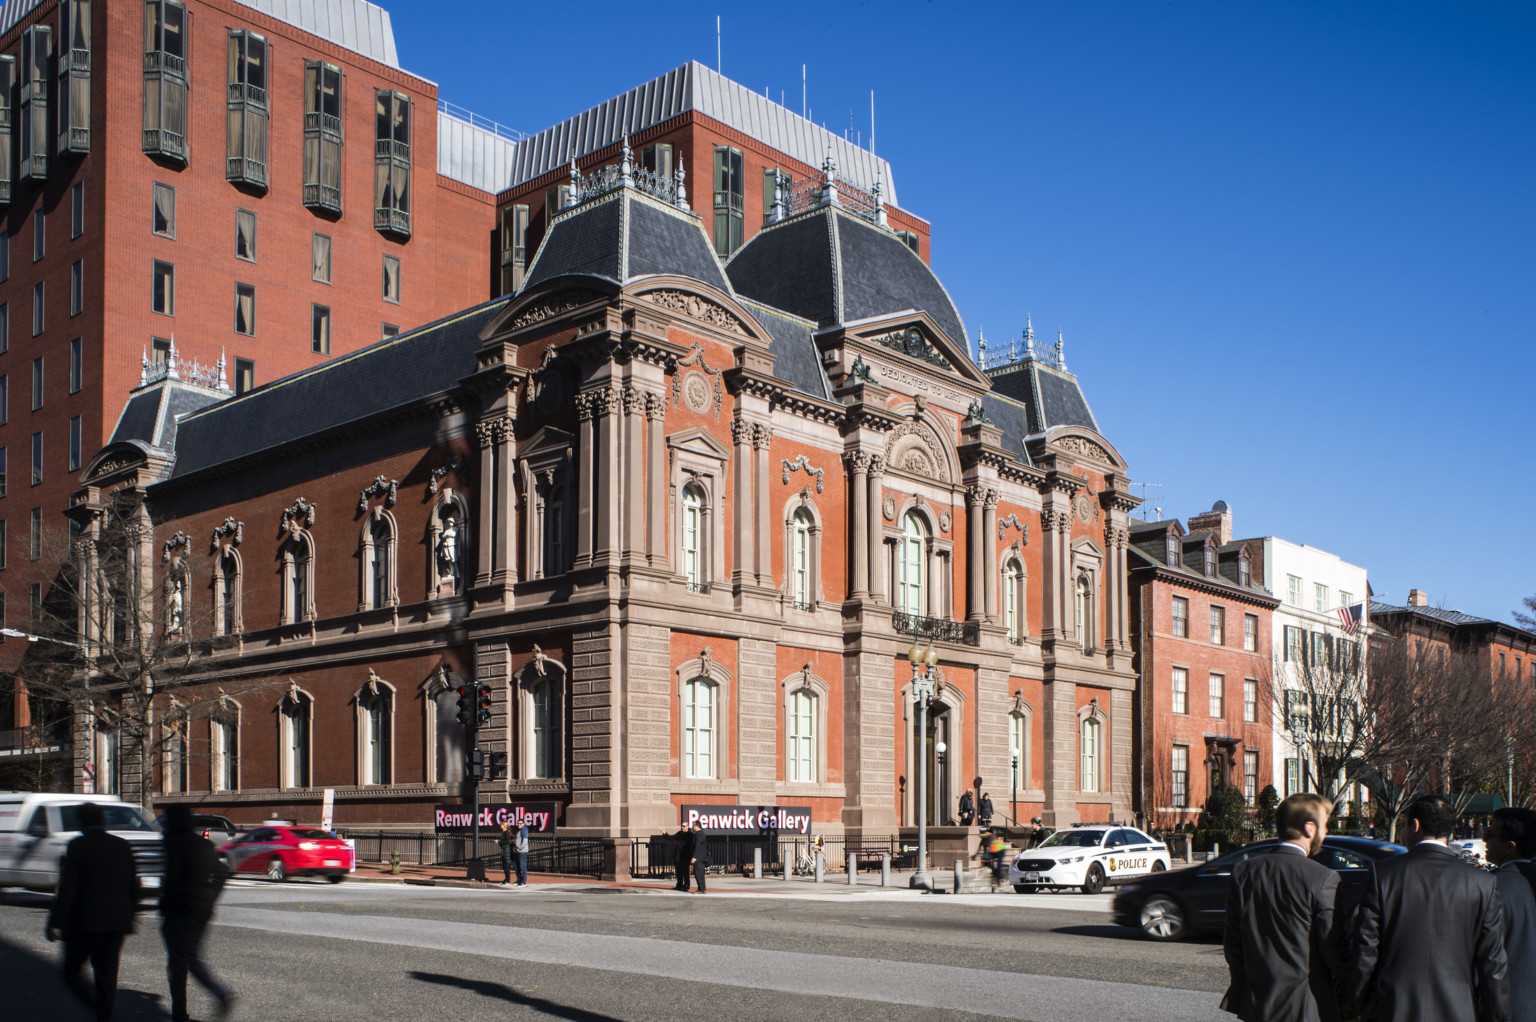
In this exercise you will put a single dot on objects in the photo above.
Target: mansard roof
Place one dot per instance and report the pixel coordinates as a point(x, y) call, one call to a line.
point(833, 268)
point(391, 374)
point(1052, 395)
point(152, 413)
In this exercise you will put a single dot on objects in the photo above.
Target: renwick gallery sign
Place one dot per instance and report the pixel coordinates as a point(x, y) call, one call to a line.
point(749, 821)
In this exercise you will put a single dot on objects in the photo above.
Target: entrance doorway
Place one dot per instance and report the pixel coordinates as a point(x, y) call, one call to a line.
point(941, 805)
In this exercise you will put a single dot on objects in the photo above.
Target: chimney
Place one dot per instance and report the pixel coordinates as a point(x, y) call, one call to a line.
point(1418, 598)
point(1217, 519)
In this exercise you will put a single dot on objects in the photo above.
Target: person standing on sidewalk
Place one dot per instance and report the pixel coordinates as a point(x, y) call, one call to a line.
point(193, 879)
point(698, 854)
point(967, 809)
point(1511, 848)
point(504, 845)
point(93, 908)
point(680, 858)
point(520, 849)
point(984, 811)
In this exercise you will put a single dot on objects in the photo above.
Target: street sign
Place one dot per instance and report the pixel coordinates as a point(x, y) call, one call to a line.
point(327, 808)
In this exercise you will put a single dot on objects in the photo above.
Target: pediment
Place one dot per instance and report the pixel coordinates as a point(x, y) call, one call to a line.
point(1086, 446)
point(548, 438)
point(549, 300)
point(913, 334)
point(699, 441)
point(114, 460)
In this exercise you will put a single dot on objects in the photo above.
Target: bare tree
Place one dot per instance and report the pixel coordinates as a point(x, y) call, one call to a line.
point(1321, 698)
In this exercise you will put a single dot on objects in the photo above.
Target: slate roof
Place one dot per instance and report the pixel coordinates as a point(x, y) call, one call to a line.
point(393, 373)
point(1012, 418)
point(1053, 396)
point(1454, 618)
point(832, 267)
point(624, 235)
point(795, 357)
point(151, 415)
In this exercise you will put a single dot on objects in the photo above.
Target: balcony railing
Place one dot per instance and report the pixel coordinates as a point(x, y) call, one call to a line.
point(247, 171)
point(397, 221)
point(240, 92)
point(74, 60)
point(322, 197)
point(965, 633)
point(163, 142)
point(158, 62)
point(329, 124)
point(389, 149)
point(74, 140)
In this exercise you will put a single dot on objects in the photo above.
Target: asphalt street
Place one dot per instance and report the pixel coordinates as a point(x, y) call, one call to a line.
point(307, 951)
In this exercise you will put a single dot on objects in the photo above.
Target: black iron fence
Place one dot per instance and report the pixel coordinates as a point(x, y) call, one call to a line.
point(579, 856)
point(656, 857)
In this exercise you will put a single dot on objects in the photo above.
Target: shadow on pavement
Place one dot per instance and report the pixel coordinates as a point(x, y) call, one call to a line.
point(1112, 932)
point(33, 989)
point(485, 988)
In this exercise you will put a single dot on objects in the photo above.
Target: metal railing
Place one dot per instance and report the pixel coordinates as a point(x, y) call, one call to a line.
point(967, 633)
point(579, 856)
point(656, 857)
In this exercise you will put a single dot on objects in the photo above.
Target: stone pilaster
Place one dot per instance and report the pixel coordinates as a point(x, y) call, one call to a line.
point(975, 535)
point(592, 735)
point(586, 487)
point(869, 744)
point(858, 464)
point(1060, 736)
point(609, 495)
point(493, 667)
point(877, 571)
point(633, 508)
point(742, 548)
point(649, 690)
point(1121, 775)
point(656, 481)
point(989, 554)
point(991, 736)
point(762, 529)
point(756, 720)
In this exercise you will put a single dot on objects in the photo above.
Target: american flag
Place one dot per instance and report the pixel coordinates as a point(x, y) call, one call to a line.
point(1349, 618)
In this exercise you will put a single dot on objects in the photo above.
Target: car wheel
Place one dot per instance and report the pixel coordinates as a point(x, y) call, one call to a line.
point(1026, 888)
point(1093, 883)
point(1162, 918)
point(275, 870)
point(1158, 867)
point(335, 878)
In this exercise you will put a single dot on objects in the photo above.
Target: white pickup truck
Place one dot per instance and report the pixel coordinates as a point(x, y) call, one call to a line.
point(35, 829)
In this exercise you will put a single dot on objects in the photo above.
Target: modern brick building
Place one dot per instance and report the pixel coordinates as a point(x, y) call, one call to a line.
point(687, 515)
point(1201, 622)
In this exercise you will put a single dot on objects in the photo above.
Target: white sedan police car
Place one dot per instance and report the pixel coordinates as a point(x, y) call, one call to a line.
point(1088, 857)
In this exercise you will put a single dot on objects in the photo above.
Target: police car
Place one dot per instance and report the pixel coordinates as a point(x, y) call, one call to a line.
point(1088, 857)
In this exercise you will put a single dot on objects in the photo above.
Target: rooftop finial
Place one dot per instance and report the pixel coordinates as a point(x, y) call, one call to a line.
point(1029, 337)
point(829, 179)
point(221, 383)
point(682, 190)
point(981, 346)
point(626, 162)
point(570, 199)
point(776, 209)
point(880, 217)
point(170, 361)
point(1061, 351)
point(1013, 350)
point(144, 368)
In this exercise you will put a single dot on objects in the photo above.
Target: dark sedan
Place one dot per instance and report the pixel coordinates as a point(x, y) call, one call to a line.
point(1168, 906)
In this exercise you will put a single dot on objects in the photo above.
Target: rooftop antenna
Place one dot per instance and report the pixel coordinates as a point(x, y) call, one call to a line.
point(717, 45)
point(804, 110)
point(871, 122)
point(1143, 495)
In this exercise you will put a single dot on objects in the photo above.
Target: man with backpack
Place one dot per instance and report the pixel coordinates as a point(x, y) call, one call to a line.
point(993, 850)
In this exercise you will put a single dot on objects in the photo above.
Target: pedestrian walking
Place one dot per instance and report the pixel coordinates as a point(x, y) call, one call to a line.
point(93, 908)
point(1282, 948)
point(698, 854)
point(682, 860)
point(993, 850)
point(1511, 848)
point(504, 845)
point(193, 879)
point(967, 808)
point(1430, 933)
point(520, 849)
point(984, 810)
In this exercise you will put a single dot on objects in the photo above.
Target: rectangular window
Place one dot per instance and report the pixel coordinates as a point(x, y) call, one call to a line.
point(77, 209)
point(3, 466)
point(1250, 700)
point(1292, 778)
point(164, 293)
point(5, 255)
point(34, 603)
point(32, 132)
point(37, 308)
point(245, 235)
point(1180, 617)
point(1346, 598)
point(556, 198)
point(1250, 776)
point(320, 329)
point(4, 399)
point(76, 287)
point(1319, 649)
point(35, 534)
point(514, 247)
point(1180, 769)
point(1295, 645)
point(392, 279)
point(1218, 626)
point(7, 88)
point(39, 235)
point(5, 327)
point(159, 351)
point(1251, 633)
point(390, 330)
point(2, 553)
point(37, 383)
point(392, 163)
point(76, 364)
point(74, 443)
point(166, 25)
point(1217, 687)
point(246, 135)
point(37, 458)
point(730, 187)
point(1180, 690)
point(1293, 590)
point(245, 375)
point(322, 136)
point(245, 309)
point(320, 258)
point(657, 159)
point(1319, 597)
point(74, 72)
point(163, 211)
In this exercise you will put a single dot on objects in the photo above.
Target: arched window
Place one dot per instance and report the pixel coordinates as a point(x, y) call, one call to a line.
point(224, 735)
point(544, 695)
point(1018, 738)
point(293, 754)
point(699, 728)
point(1244, 570)
point(693, 537)
point(1013, 600)
point(176, 766)
point(913, 551)
point(1083, 610)
point(554, 530)
point(378, 563)
point(800, 561)
point(376, 731)
point(1209, 561)
point(1091, 754)
point(1171, 550)
point(226, 593)
point(298, 578)
point(802, 736)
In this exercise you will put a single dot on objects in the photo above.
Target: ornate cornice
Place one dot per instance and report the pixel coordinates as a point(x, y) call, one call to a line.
point(701, 309)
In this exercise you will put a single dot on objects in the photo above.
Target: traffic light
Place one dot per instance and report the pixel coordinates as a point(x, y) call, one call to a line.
point(466, 706)
point(484, 714)
point(498, 766)
point(476, 764)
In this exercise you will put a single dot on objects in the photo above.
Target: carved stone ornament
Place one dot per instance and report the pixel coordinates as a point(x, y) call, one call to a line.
point(944, 521)
point(389, 489)
point(539, 660)
point(300, 516)
point(930, 462)
point(704, 662)
point(177, 546)
point(454, 464)
point(918, 463)
point(888, 508)
point(552, 306)
point(696, 392)
point(797, 464)
point(373, 682)
point(232, 530)
point(860, 372)
point(1013, 520)
point(695, 357)
point(1084, 506)
point(1085, 448)
point(697, 308)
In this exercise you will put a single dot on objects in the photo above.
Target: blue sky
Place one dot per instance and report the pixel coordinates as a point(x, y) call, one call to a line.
point(1292, 245)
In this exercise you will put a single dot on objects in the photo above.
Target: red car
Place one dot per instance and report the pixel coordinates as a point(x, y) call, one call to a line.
point(282, 852)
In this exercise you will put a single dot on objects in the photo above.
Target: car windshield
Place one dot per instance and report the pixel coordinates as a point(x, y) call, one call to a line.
point(1074, 839)
point(313, 835)
point(118, 817)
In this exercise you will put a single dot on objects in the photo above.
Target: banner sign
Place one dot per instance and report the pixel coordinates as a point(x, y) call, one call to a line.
point(749, 821)
point(460, 820)
point(327, 808)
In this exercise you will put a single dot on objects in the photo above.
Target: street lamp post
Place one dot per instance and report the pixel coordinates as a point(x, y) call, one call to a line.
point(1013, 803)
point(922, 695)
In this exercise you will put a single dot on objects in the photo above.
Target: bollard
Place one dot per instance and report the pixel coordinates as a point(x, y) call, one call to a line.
point(757, 863)
point(394, 861)
point(853, 869)
point(885, 870)
point(820, 865)
point(787, 859)
point(1215, 849)
point(959, 876)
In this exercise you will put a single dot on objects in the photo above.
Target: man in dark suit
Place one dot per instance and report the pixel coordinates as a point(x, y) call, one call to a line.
point(698, 854)
point(1430, 936)
point(1511, 847)
point(193, 879)
point(1281, 946)
point(683, 860)
point(93, 908)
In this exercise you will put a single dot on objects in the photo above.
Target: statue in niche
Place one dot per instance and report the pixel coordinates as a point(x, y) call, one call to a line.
point(175, 604)
point(450, 554)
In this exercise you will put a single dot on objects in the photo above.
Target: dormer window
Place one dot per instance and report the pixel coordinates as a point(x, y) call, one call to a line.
point(1172, 551)
point(1210, 562)
point(1244, 570)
